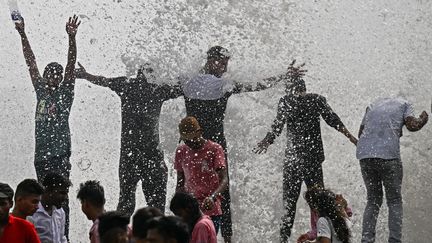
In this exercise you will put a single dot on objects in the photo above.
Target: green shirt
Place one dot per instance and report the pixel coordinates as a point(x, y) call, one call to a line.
point(52, 131)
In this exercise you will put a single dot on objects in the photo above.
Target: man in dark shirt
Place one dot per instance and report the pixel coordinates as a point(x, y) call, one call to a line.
point(54, 101)
point(301, 112)
point(206, 98)
point(140, 156)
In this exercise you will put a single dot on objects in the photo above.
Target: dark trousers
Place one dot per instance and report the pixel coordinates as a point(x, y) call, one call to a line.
point(379, 173)
point(148, 167)
point(62, 166)
point(295, 172)
point(226, 221)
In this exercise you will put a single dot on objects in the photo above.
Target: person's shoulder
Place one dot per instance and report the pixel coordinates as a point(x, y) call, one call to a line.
point(204, 222)
point(181, 148)
point(22, 223)
point(213, 145)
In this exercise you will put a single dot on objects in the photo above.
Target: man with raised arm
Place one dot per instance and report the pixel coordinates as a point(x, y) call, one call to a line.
point(301, 113)
point(206, 98)
point(378, 150)
point(54, 101)
point(140, 156)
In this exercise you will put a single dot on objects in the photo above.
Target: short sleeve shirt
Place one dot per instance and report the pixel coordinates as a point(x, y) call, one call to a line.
point(52, 130)
point(141, 107)
point(204, 231)
point(200, 169)
point(383, 124)
point(325, 229)
point(19, 231)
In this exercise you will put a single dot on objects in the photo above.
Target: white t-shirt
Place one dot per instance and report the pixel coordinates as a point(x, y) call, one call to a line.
point(205, 87)
point(325, 229)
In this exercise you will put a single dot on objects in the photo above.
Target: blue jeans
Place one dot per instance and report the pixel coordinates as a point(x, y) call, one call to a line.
point(217, 219)
point(376, 174)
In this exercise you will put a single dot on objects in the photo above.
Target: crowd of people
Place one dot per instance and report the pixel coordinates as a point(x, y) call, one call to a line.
point(201, 204)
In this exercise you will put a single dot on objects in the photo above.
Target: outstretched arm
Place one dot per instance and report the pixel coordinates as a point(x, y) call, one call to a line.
point(292, 73)
point(81, 73)
point(71, 29)
point(28, 53)
point(414, 124)
point(276, 128)
point(333, 120)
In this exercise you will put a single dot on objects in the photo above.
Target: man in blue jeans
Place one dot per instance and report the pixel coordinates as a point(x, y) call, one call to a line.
point(378, 150)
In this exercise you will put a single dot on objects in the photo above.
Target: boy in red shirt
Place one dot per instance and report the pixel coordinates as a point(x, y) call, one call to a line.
point(13, 229)
point(201, 169)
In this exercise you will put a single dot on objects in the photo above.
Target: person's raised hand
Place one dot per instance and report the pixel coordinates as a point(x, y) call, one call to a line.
point(80, 72)
point(19, 25)
point(261, 147)
point(72, 25)
point(296, 72)
point(424, 116)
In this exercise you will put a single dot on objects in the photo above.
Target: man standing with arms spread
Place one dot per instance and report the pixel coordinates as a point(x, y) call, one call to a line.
point(206, 98)
point(54, 101)
point(301, 113)
point(140, 156)
point(378, 150)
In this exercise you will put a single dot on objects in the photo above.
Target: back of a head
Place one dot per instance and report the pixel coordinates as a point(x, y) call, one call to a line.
point(140, 219)
point(183, 200)
point(295, 86)
point(324, 202)
point(218, 52)
point(170, 227)
point(110, 221)
point(29, 187)
point(54, 180)
point(92, 192)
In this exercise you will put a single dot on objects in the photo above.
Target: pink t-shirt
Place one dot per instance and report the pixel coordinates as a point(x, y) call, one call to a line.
point(204, 231)
point(199, 167)
point(94, 232)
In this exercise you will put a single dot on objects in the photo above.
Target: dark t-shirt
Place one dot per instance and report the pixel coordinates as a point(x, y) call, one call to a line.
point(141, 107)
point(302, 114)
point(52, 131)
point(210, 113)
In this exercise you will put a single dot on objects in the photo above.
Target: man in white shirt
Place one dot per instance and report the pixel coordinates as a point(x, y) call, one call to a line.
point(50, 218)
point(378, 150)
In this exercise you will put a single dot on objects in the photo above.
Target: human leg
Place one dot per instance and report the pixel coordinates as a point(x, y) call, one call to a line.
point(392, 181)
point(154, 176)
point(370, 169)
point(62, 166)
point(128, 179)
point(292, 181)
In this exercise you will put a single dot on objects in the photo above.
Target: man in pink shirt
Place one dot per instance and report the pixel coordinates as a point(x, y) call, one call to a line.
point(186, 207)
point(201, 169)
point(92, 197)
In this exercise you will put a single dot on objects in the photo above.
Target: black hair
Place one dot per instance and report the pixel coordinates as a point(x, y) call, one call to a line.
point(139, 220)
point(54, 180)
point(183, 200)
point(112, 220)
point(170, 227)
point(324, 201)
point(29, 187)
point(53, 67)
point(6, 189)
point(92, 192)
point(218, 52)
